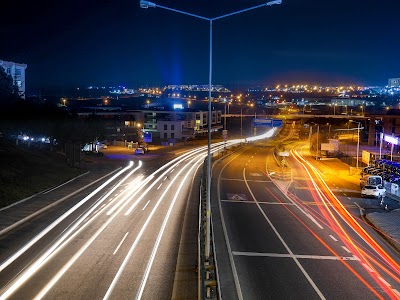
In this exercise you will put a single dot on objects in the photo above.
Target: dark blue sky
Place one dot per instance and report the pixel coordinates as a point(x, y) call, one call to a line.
point(109, 41)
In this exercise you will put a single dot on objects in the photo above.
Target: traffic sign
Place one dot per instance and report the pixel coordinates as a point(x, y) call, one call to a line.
point(224, 135)
point(147, 137)
point(267, 122)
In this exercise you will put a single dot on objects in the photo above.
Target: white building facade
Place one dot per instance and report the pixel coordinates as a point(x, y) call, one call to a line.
point(17, 72)
point(394, 82)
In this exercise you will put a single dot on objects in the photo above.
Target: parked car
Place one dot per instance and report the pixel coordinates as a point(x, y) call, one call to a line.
point(139, 151)
point(375, 191)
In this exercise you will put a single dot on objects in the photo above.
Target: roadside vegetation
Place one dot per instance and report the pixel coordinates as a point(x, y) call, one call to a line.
point(33, 138)
point(25, 171)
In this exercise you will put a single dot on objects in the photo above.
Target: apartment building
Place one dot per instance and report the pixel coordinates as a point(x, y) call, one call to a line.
point(17, 72)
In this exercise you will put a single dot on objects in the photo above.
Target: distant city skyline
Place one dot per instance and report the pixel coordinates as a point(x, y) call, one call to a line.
point(74, 43)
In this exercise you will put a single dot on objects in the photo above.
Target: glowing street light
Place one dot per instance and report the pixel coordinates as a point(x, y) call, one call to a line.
point(148, 4)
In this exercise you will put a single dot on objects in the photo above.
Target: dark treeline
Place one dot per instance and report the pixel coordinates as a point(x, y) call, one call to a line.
point(41, 119)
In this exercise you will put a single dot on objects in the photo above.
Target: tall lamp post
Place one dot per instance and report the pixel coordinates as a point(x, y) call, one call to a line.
point(358, 139)
point(147, 4)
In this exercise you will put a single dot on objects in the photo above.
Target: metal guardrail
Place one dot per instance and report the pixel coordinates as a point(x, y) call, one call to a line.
point(208, 287)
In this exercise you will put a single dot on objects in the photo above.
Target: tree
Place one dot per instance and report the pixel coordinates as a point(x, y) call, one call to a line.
point(8, 90)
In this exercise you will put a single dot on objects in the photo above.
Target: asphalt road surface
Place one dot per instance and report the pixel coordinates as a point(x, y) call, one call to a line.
point(118, 240)
point(279, 241)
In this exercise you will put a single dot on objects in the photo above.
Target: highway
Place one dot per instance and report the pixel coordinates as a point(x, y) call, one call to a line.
point(120, 240)
point(293, 239)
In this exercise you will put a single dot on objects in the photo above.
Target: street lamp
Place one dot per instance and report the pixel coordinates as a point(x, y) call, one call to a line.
point(147, 4)
point(358, 139)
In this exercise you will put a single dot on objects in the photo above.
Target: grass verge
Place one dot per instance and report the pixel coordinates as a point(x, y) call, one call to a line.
point(27, 171)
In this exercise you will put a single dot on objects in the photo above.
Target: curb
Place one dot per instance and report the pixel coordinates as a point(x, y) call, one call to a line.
point(27, 218)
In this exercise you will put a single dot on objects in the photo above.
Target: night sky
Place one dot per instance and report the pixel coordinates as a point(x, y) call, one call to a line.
point(108, 42)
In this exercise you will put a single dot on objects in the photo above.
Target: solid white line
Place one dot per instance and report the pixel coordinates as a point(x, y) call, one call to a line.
point(345, 249)
point(384, 281)
point(312, 283)
point(120, 243)
point(322, 257)
point(227, 242)
point(396, 291)
point(159, 186)
point(146, 205)
point(333, 238)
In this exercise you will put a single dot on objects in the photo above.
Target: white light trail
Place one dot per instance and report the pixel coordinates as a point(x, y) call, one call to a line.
point(161, 232)
point(60, 219)
point(141, 232)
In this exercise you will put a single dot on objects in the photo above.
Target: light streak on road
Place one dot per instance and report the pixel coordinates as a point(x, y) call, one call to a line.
point(128, 193)
point(160, 234)
point(60, 219)
point(63, 240)
point(117, 200)
point(141, 232)
point(330, 201)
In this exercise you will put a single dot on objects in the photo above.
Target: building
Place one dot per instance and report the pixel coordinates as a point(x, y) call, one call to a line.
point(163, 125)
point(17, 72)
point(394, 82)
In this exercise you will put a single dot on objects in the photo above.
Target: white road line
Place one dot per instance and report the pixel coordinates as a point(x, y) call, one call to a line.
point(252, 202)
point(120, 243)
point(248, 161)
point(356, 258)
point(333, 238)
point(165, 178)
point(251, 180)
point(159, 186)
point(396, 291)
point(344, 194)
point(306, 275)
point(172, 170)
point(345, 249)
point(384, 281)
point(302, 256)
point(368, 268)
point(146, 205)
point(349, 198)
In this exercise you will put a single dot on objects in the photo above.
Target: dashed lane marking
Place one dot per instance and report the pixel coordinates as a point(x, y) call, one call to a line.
point(302, 256)
point(146, 205)
point(333, 238)
point(345, 249)
point(119, 245)
point(233, 179)
point(384, 281)
point(252, 202)
point(368, 268)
